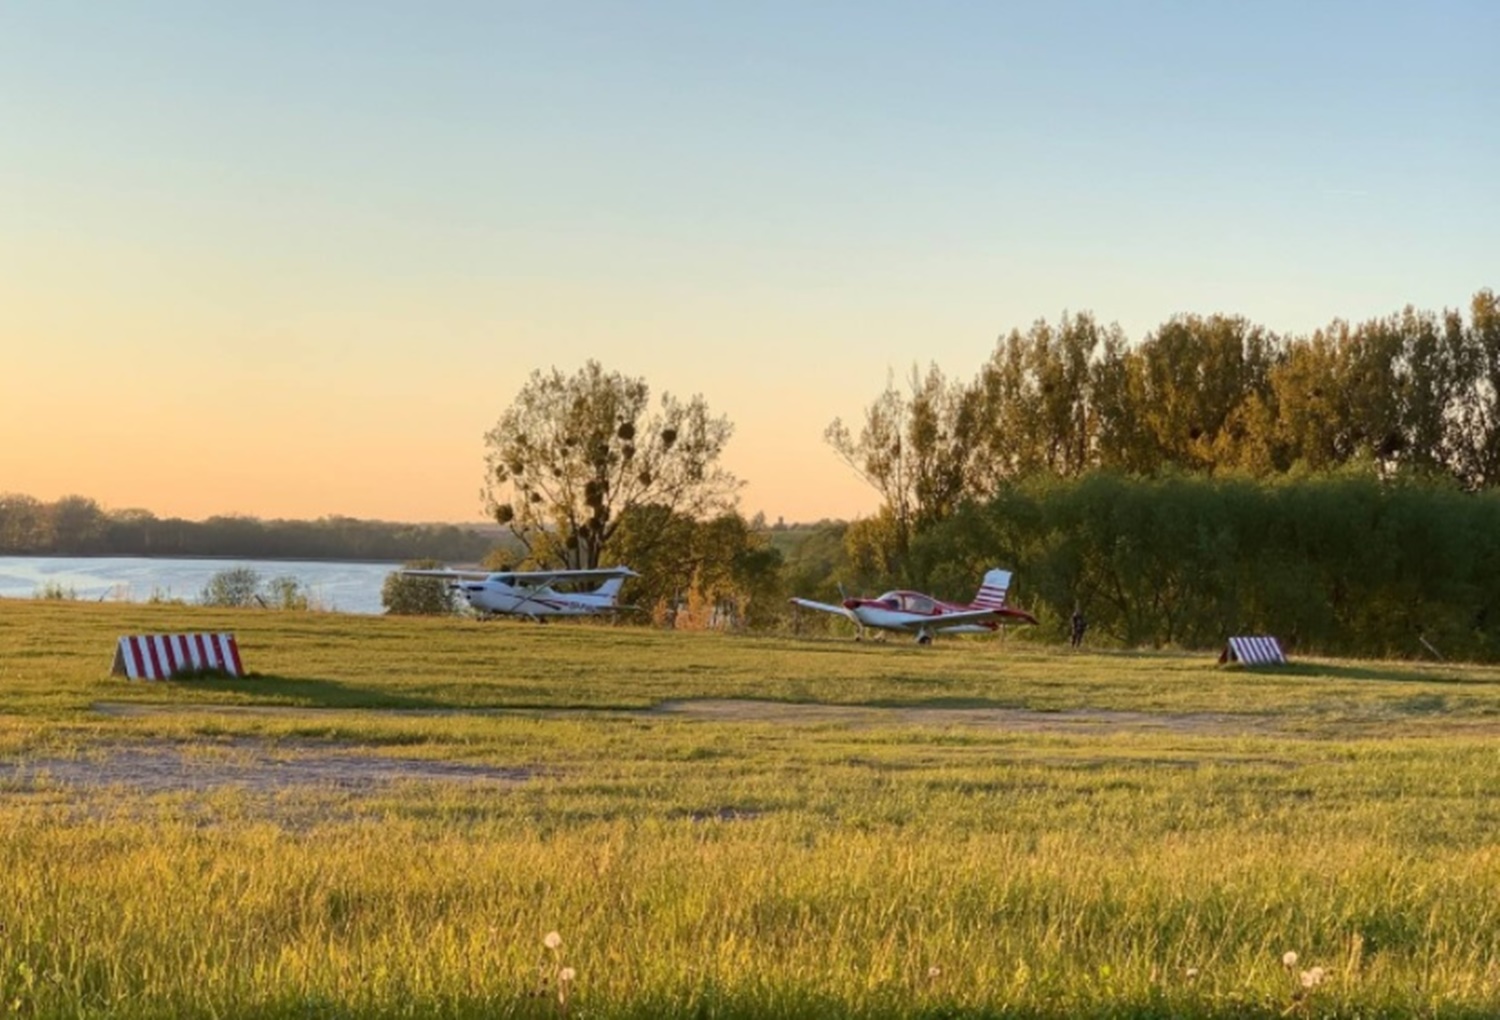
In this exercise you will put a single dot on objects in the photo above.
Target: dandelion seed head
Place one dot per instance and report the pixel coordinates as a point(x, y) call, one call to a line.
point(934, 971)
point(1192, 972)
point(1313, 978)
point(553, 940)
point(1289, 958)
point(566, 974)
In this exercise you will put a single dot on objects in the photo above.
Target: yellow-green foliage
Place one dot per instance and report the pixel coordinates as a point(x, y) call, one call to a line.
point(970, 830)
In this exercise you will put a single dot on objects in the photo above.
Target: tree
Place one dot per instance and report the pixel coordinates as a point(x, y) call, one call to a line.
point(1198, 375)
point(1038, 409)
point(1118, 383)
point(723, 563)
point(1313, 417)
point(403, 595)
point(658, 544)
point(25, 524)
point(738, 570)
point(915, 452)
point(815, 561)
point(1479, 415)
point(573, 453)
point(77, 525)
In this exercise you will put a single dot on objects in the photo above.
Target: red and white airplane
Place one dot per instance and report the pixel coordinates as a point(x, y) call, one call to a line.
point(922, 615)
point(531, 593)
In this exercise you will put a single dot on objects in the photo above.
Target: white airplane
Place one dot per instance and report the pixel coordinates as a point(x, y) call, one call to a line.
point(912, 612)
point(530, 593)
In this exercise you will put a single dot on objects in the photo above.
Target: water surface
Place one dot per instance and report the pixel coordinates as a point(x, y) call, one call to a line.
point(337, 586)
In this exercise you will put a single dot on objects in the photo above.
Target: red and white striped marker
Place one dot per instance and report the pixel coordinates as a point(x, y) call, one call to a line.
point(162, 656)
point(1254, 651)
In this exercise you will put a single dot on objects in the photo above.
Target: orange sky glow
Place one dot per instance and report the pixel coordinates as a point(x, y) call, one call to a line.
point(293, 261)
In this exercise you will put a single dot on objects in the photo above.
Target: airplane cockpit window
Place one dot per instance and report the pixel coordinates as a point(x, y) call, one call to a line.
point(891, 600)
point(914, 603)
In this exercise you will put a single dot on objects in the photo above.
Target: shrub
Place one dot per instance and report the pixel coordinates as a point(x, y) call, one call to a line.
point(235, 587)
point(287, 592)
point(403, 595)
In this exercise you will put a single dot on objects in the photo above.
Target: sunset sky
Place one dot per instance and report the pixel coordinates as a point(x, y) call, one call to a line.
point(294, 259)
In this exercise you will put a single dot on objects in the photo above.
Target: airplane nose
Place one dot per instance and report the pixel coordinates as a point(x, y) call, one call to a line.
point(851, 604)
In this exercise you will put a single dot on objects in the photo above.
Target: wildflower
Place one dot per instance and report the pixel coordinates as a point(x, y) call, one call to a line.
point(1313, 978)
point(566, 974)
point(934, 972)
point(1192, 972)
point(553, 940)
point(1289, 959)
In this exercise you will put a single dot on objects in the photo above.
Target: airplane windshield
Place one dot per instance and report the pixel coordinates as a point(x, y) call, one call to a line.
point(913, 603)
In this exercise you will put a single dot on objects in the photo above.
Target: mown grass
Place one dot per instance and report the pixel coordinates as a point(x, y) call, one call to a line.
point(1146, 836)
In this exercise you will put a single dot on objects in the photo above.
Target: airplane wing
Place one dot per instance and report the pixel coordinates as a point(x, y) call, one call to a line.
point(548, 576)
point(968, 616)
point(532, 578)
point(451, 575)
point(824, 607)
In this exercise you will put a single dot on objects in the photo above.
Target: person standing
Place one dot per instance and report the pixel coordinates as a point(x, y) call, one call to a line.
point(1079, 624)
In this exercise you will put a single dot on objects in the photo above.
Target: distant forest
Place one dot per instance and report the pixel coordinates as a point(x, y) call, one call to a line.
point(78, 526)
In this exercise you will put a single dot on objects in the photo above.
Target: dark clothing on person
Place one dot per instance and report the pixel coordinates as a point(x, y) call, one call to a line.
point(1079, 625)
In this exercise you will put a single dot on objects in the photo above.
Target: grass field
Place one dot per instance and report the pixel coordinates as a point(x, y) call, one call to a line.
point(391, 816)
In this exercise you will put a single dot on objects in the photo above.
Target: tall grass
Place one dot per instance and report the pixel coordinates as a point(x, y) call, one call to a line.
point(865, 865)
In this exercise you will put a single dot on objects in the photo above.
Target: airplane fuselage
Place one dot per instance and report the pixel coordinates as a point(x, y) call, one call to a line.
point(497, 598)
point(924, 616)
point(531, 593)
point(913, 612)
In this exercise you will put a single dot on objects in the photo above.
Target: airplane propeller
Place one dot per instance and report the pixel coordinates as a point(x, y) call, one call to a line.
point(846, 600)
point(849, 605)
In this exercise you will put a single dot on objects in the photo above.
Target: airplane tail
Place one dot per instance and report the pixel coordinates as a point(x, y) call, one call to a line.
point(611, 588)
point(992, 590)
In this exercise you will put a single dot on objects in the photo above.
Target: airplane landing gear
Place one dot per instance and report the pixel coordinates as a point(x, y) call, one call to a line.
point(924, 639)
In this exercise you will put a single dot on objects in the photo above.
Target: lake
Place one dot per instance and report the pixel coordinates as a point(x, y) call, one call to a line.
point(341, 587)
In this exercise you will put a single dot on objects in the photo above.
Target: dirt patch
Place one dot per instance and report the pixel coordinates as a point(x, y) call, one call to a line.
point(1015, 719)
point(138, 709)
point(249, 765)
point(803, 714)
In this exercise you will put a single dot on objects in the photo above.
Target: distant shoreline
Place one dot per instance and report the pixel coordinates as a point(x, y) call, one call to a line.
point(198, 556)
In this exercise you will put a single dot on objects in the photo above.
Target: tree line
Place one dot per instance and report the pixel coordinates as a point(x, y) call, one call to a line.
point(1415, 394)
point(79, 526)
point(1336, 489)
point(1340, 490)
point(1339, 563)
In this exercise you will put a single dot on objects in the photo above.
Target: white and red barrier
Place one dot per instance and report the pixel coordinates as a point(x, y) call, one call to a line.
point(1254, 651)
point(163, 656)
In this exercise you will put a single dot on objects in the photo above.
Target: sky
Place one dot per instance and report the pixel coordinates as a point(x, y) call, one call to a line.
point(293, 260)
